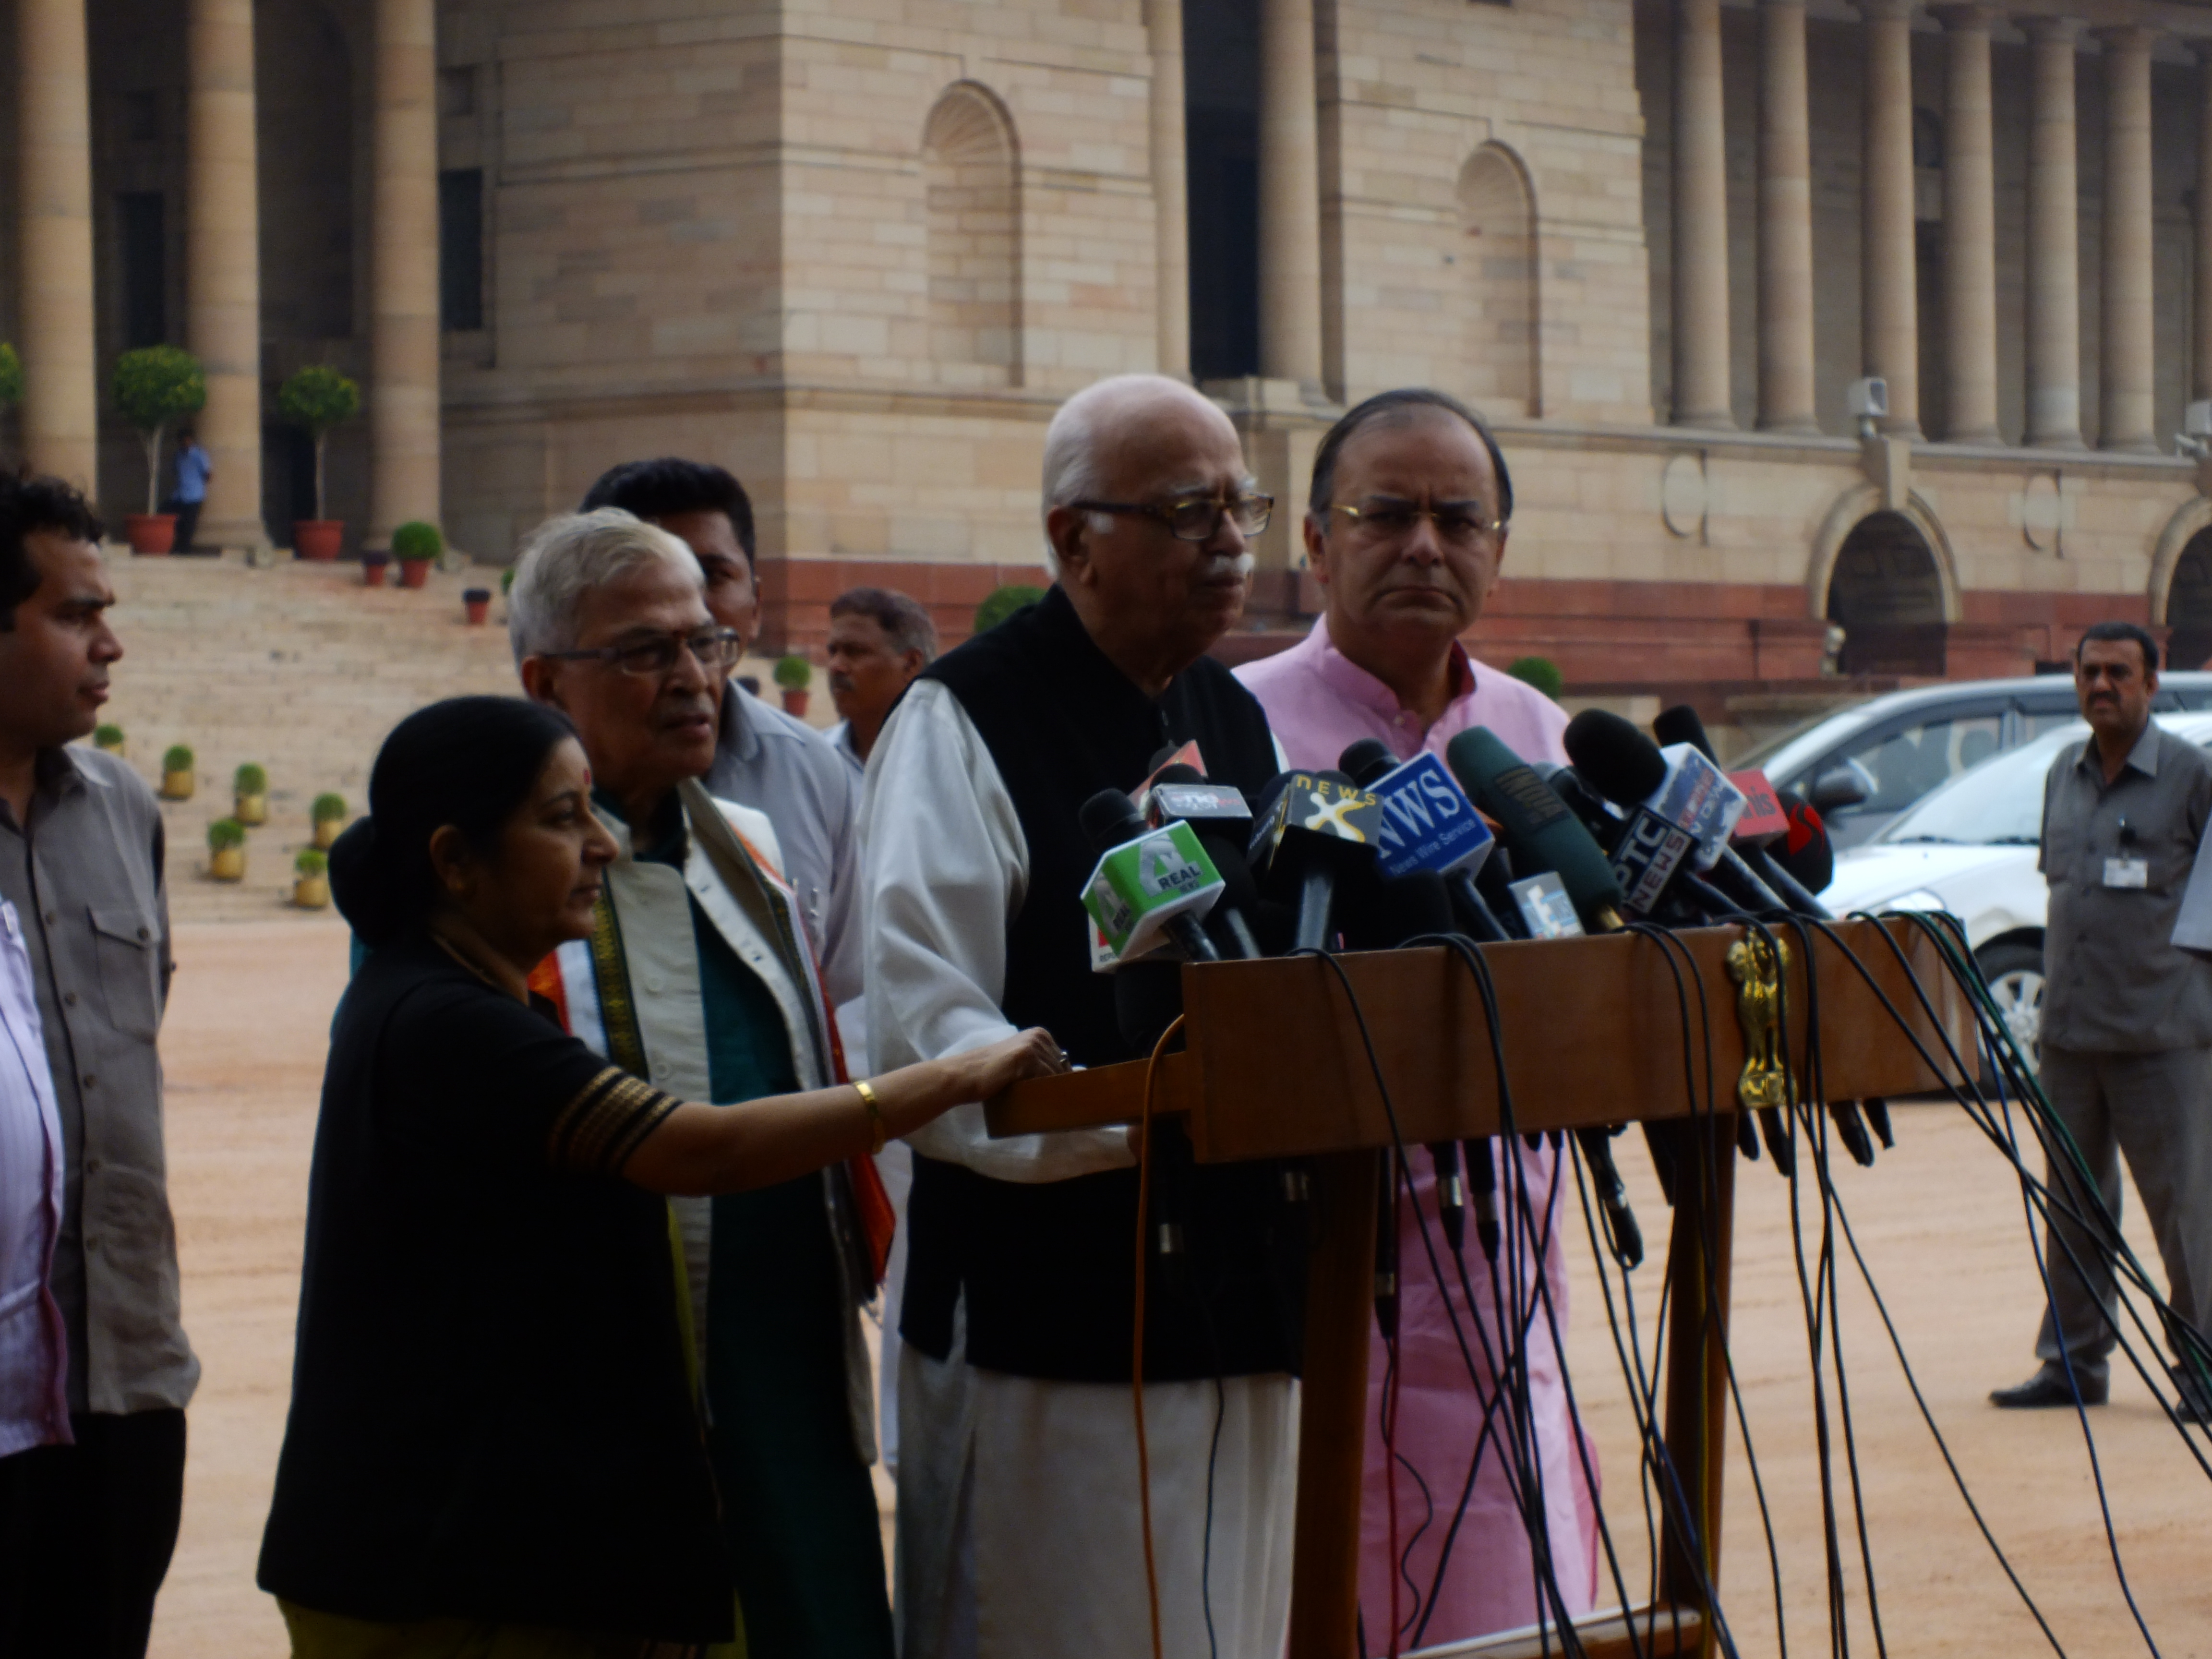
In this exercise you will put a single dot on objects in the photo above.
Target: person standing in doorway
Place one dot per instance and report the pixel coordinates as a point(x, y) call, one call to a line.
point(194, 469)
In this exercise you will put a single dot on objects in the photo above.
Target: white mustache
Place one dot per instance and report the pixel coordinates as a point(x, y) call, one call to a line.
point(1215, 570)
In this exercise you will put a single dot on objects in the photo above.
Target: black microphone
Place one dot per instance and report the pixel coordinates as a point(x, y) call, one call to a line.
point(1367, 762)
point(1544, 833)
point(1680, 723)
point(1110, 819)
point(1809, 855)
point(1320, 825)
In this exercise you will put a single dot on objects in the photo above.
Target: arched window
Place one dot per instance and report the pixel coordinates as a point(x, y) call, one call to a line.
point(1497, 334)
point(1888, 595)
point(970, 183)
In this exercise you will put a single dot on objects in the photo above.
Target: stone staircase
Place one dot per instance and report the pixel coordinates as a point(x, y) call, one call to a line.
point(300, 669)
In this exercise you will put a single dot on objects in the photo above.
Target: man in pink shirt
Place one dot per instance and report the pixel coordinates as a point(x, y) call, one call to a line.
point(1406, 534)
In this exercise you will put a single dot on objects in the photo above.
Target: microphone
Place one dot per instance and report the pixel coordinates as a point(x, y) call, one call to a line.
point(1149, 884)
point(1764, 821)
point(1217, 814)
point(1543, 831)
point(1677, 784)
point(1680, 723)
point(1320, 825)
point(1428, 823)
point(1654, 860)
point(1807, 854)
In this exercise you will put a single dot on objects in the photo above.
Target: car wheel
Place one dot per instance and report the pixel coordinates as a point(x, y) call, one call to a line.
point(2015, 975)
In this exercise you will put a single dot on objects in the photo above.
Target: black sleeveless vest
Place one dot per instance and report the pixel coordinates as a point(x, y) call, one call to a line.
point(1047, 1268)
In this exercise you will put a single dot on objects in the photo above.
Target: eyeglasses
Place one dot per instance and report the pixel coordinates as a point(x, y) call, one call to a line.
point(1386, 519)
point(1195, 517)
point(714, 648)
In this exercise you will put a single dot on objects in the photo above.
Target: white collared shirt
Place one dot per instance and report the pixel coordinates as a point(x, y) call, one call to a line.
point(33, 1345)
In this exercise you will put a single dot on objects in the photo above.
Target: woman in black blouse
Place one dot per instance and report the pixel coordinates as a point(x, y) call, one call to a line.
point(493, 1446)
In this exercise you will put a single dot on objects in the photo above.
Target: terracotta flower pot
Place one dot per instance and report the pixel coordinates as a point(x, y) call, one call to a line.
point(326, 833)
point(177, 786)
point(312, 892)
point(373, 567)
point(318, 539)
point(228, 864)
point(794, 701)
point(252, 809)
point(415, 573)
point(151, 535)
point(476, 604)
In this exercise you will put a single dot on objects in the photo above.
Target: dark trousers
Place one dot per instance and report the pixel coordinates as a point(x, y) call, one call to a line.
point(86, 1534)
point(188, 523)
point(2155, 1110)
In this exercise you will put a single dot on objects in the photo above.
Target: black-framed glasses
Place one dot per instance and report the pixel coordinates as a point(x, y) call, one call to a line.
point(1195, 517)
point(714, 648)
point(1389, 518)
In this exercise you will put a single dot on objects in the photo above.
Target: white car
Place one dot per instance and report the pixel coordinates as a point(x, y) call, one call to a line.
point(1969, 847)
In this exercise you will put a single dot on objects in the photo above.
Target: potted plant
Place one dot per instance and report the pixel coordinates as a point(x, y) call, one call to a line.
point(328, 815)
point(1540, 671)
point(507, 580)
point(1002, 602)
point(107, 737)
point(374, 562)
point(177, 773)
point(417, 546)
point(11, 376)
point(318, 398)
point(250, 788)
point(311, 880)
point(794, 674)
point(154, 386)
point(476, 602)
point(226, 850)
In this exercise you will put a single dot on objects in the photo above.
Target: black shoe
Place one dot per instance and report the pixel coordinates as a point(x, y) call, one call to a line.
point(2050, 1387)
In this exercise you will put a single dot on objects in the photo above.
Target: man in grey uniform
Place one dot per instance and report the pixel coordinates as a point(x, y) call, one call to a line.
point(2127, 1017)
point(763, 759)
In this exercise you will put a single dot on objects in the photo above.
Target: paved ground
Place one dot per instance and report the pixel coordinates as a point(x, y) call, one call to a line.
point(1939, 1221)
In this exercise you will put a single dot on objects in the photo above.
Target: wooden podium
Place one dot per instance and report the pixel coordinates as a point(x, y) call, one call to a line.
point(1275, 1066)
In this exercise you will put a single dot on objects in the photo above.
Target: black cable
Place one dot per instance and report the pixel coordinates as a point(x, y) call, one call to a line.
point(1206, 1548)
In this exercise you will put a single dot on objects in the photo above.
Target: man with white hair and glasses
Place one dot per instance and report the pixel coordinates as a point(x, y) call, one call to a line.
point(1019, 1535)
point(698, 978)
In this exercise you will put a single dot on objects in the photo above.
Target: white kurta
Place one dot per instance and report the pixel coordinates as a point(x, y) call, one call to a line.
point(1019, 1534)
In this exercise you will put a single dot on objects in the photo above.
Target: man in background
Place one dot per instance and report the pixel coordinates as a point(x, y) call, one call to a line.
point(88, 1521)
point(763, 759)
point(2127, 1018)
point(878, 641)
point(1405, 533)
point(194, 469)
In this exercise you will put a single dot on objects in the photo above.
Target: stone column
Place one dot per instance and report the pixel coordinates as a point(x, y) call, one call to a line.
point(2125, 358)
point(61, 408)
point(2201, 377)
point(1701, 295)
point(1170, 188)
point(403, 389)
point(1785, 223)
point(1889, 323)
point(1970, 234)
point(223, 266)
point(2054, 318)
point(1290, 196)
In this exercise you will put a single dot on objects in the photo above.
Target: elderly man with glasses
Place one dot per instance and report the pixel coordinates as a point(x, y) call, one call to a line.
point(1019, 1532)
point(1406, 534)
point(698, 978)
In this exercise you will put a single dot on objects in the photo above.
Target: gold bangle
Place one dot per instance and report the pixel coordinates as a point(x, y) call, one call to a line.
point(875, 1112)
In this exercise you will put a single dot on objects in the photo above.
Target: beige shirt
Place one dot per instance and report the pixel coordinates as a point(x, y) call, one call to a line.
point(86, 878)
point(2117, 856)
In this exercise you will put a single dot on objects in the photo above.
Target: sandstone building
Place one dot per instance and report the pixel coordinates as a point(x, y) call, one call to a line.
point(858, 251)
